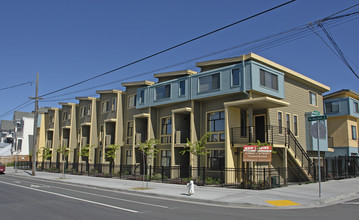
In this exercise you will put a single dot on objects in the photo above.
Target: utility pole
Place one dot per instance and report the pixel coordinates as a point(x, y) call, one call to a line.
point(35, 126)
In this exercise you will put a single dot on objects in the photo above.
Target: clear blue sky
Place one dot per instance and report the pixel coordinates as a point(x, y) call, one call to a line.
point(67, 41)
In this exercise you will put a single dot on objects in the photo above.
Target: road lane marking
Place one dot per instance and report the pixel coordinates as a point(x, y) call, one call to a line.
point(282, 203)
point(74, 198)
point(109, 197)
point(351, 203)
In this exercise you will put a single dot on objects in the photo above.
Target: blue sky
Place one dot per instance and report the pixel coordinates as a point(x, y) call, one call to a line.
point(69, 41)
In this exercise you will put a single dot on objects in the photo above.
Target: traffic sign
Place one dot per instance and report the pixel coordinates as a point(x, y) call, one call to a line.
point(317, 118)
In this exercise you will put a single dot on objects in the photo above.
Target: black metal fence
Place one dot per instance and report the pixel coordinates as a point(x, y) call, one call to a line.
point(259, 177)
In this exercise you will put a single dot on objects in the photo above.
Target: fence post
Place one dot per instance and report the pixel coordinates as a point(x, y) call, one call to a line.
point(279, 176)
point(163, 172)
point(150, 174)
point(204, 175)
point(264, 177)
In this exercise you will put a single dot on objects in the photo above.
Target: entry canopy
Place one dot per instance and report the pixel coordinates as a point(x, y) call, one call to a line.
point(258, 103)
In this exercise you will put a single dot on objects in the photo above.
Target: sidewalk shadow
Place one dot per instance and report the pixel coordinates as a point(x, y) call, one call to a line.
point(28, 172)
point(185, 194)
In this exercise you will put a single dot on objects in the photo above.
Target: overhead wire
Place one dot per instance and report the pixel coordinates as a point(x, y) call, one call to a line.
point(170, 48)
point(17, 85)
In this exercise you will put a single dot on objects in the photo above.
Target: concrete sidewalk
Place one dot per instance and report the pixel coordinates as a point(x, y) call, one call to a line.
point(294, 196)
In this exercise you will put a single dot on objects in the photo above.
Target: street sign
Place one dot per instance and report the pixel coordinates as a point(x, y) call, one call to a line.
point(317, 118)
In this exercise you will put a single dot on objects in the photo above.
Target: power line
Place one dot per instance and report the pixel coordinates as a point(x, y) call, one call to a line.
point(14, 86)
point(260, 44)
point(19, 107)
point(168, 49)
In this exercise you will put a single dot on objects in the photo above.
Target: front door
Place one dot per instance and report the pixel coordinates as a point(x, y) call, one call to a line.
point(260, 133)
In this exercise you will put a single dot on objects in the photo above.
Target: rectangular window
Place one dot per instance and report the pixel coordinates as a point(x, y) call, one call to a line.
point(114, 104)
point(215, 160)
point(132, 101)
point(166, 130)
point(332, 107)
point(64, 116)
point(83, 111)
point(208, 83)
point(142, 97)
point(313, 98)
point(89, 110)
point(215, 125)
point(128, 157)
point(182, 88)
point(268, 80)
point(163, 92)
point(235, 77)
point(129, 132)
point(19, 145)
point(295, 125)
point(166, 158)
point(287, 116)
point(356, 107)
point(354, 132)
point(280, 122)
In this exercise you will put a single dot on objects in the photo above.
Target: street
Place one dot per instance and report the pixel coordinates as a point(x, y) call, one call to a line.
point(27, 198)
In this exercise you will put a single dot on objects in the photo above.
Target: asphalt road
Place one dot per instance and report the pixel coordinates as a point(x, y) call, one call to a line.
point(28, 198)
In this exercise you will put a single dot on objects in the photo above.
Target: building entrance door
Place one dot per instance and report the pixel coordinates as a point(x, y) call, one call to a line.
point(259, 129)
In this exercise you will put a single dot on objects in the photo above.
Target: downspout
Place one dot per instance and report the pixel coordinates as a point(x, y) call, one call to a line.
point(244, 76)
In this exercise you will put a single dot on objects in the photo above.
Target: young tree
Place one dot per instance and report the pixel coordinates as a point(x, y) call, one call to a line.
point(46, 154)
point(64, 152)
point(197, 148)
point(148, 151)
point(110, 154)
point(85, 155)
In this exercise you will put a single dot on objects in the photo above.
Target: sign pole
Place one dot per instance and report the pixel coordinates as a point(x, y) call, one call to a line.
point(319, 176)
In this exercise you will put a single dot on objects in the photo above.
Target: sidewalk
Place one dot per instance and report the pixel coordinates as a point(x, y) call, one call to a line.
point(294, 196)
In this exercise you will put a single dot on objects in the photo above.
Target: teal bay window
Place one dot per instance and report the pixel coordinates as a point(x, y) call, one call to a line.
point(235, 77)
point(268, 80)
point(163, 92)
point(208, 83)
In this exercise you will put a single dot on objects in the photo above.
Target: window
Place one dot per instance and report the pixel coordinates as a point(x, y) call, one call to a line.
point(208, 83)
point(268, 80)
point(295, 125)
point(166, 130)
point(101, 133)
point(163, 92)
point(89, 110)
point(128, 157)
point(19, 145)
point(215, 125)
point(354, 132)
point(332, 107)
point(313, 98)
point(235, 77)
point(132, 101)
point(166, 158)
point(287, 116)
point(105, 106)
point(280, 120)
point(129, 132)
point(142, 97)
point(356, 107)
point(83, 111)
point(182, 88)
point(215, 160)
point(64, 116)
point(114, 104)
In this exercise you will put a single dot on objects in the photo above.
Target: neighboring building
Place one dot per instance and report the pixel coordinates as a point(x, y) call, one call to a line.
point(88, 127)
point(110, 122)
point(23, 135)
point(342, 110)
point(6, 131)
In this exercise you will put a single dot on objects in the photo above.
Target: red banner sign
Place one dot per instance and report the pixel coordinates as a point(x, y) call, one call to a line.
point(252, 153)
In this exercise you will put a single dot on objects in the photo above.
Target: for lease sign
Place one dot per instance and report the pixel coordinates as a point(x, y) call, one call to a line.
point(252, 153)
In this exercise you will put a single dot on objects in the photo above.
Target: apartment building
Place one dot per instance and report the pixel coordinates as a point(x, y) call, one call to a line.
point(111, 122)
point(237, 100)
point(343, 121)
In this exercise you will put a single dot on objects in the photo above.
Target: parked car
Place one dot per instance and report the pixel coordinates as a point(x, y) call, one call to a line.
point(2, 168)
